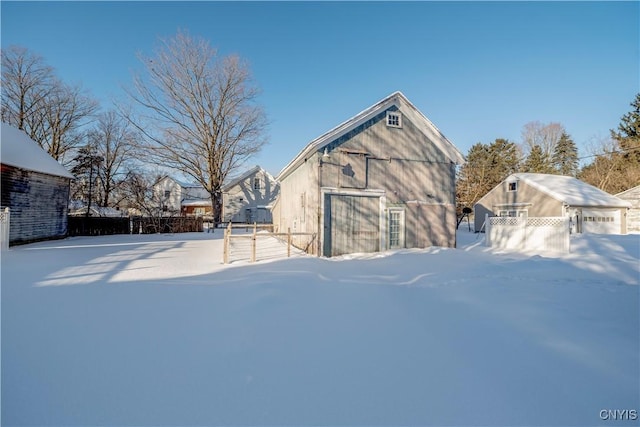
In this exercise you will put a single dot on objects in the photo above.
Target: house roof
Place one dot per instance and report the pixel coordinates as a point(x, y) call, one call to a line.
point(570, 190)
point(407, 108)
point(196, 202)
point(632, 192)
point(235, 181)
point(18, 150)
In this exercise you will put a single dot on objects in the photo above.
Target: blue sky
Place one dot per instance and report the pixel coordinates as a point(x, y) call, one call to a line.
point(478, 70)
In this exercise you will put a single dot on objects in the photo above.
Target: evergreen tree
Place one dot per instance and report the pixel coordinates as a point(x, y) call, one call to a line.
point(565, 156)
point(628, 133)
point(616, 167)
point(486, 167)
point(537, 161)
point(86, 170)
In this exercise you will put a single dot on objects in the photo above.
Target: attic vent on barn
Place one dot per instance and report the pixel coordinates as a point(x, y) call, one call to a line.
point(394, 119)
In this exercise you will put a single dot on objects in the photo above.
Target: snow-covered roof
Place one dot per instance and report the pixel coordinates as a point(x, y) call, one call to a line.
point(570, 190)
point(395, 99)
point(196, 202)
point(98, 211)
point(18, 150)
point(245, 175)
point(633, 192)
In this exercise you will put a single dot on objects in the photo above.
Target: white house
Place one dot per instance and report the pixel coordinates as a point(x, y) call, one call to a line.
point(178, 197)
point(632, 196)
point(248, 198)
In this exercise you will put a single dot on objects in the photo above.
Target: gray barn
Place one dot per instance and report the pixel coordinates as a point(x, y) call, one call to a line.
point(383, 179)
point(35, 188)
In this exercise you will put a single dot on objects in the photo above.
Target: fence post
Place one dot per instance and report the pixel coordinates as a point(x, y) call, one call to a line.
point(289, 242)
point(253, 243)
point(226, 239)
point(487, 230)
point(5, 231)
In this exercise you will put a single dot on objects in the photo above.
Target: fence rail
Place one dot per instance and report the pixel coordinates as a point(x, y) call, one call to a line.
point(531, 234)
point(264, 244)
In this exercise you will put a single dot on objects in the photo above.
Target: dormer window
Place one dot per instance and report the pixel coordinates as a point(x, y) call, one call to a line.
point(512, 186)
point(394, 119)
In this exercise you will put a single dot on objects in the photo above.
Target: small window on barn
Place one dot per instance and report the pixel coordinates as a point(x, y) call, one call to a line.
point(394, 119)
point(512, 186)
point(167, 194)
point(256, 183)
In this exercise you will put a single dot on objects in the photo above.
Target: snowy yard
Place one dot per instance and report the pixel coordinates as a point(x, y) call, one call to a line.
point(154, 330)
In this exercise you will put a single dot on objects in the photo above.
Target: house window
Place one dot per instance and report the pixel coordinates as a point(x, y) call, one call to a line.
point(256, 183)
point(394, 119)
point(520, 213)
point(167, 194)
point(512, 186)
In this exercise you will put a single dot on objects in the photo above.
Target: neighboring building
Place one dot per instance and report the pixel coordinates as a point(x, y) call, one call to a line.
point(35, 188)
point(248, 198)
point(180, 198)
point(632, 196)
point(541, 195)
point(383, 179)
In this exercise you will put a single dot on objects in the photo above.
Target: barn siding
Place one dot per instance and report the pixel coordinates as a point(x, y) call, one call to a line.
point(38, 204)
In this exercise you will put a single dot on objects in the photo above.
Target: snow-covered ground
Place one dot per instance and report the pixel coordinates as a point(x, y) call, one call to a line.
point(154, 330)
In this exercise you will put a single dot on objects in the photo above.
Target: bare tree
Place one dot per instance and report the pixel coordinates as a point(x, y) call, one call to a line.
point(546, 136)
point(26, 83)
point(113, 140)
point(610, 170)
point(200, 114)
point(47, 109)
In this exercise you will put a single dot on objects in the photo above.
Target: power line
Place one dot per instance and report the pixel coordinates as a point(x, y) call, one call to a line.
point(611, 152)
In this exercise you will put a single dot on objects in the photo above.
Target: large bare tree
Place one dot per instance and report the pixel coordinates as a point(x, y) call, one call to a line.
point(113, 140)
point(36, 101)
point(198, 112)
point(545, 136)
point(26, 83)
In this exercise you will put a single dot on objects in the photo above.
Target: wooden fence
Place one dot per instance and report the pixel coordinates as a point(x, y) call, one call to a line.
point(169, 224)
point(254, 245)
point(98, 226)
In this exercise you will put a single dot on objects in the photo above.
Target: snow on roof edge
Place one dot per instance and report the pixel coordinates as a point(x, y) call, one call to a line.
point(18, 150)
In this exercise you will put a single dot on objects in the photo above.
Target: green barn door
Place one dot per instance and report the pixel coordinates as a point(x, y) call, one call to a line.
point(352, 224)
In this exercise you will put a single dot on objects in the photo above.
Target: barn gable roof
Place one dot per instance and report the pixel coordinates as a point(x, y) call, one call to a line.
point(395, 99)
point(18, 150)
point(570, 190)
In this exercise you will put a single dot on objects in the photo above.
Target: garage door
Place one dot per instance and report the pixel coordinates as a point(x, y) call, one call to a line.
point(601, 221)
point(351, 224)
